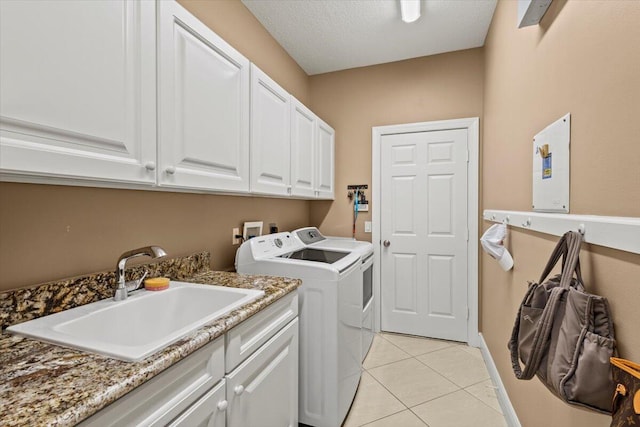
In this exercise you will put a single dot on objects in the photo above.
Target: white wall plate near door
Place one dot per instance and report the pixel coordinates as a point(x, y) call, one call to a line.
point(551, 167)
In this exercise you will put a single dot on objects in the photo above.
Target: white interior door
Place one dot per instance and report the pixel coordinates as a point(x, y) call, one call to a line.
point(424, 233)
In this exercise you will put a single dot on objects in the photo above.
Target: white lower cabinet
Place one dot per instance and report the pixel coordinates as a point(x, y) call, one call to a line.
point(263, 391)
point(209, 411)
point(260, 387)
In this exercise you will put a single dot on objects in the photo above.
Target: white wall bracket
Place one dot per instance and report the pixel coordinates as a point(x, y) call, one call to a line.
point(530, 12)
point(615, 232)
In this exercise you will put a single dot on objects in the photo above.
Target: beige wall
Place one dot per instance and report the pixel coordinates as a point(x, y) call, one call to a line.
point(51, 232)
point(582, 59)
point(438, 87)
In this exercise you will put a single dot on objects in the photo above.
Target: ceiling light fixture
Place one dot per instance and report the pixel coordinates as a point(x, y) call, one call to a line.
point(410, 10)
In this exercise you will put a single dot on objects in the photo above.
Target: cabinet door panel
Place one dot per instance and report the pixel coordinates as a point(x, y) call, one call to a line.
point(263, 390)
point(325, 161)
point(78, 89)
point(208, 411)
point(270, 135)
point(204, 106)
point(303, 132)
point(167, 395)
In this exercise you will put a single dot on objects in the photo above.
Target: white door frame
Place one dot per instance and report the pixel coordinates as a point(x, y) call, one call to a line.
point(472, 125)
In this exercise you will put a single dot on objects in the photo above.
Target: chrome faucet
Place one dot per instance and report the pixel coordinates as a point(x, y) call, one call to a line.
point(123, 288)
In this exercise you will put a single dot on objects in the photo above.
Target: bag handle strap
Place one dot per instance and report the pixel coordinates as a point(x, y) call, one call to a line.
point(568, 247)
point(571, 262)
point(559, 251)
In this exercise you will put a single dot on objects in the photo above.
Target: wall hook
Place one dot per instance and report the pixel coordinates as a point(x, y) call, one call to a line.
point(582, 229)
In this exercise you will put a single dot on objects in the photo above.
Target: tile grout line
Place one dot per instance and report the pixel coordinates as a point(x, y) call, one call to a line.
point(410, 356)
point(459, 388)
point(382, 418)
point(447, 378)
point(486, 404)
point(429, 400)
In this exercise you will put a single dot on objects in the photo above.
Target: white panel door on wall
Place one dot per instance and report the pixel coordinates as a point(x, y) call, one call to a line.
point(78, 89)
point(270, 135)
point(303, 134)
point(325, 161)
point(424, 234)
point(203, 106)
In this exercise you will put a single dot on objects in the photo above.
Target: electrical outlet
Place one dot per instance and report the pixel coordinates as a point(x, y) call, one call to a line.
point(234, 240)
point(367, 226)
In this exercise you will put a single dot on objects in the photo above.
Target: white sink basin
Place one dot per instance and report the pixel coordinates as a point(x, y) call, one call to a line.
point(140, 325)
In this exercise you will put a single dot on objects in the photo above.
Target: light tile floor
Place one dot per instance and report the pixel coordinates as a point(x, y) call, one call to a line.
point(416, 382)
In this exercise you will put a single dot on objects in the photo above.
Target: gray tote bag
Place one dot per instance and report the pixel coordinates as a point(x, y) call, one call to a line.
point(564, 335)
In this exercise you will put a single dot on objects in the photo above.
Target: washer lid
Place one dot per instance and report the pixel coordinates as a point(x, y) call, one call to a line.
point(317, 255)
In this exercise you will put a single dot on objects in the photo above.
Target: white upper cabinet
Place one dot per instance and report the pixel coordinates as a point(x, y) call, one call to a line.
point(325, 161)
point(80, 104)
point(78, 90)
point(303, 135)
point(203, 127)
point(312, 154)
point(270, 135)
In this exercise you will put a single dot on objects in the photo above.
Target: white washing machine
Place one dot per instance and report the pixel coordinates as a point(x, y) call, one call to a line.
point(312, 238)
point(330, 299)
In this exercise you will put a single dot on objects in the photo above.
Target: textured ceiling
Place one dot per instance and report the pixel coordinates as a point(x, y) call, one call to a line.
point(331, 35)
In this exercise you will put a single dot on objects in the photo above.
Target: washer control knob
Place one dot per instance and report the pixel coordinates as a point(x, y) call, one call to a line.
point(278, 242)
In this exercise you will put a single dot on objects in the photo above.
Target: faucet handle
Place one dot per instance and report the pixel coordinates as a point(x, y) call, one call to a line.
point(132, 285)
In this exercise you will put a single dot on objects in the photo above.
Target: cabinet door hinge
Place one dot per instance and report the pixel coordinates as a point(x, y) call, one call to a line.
point(467, 156)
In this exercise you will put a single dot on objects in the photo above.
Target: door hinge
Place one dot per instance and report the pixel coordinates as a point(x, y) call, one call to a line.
point(467, 234)
point(467, 313)
point(467, 156)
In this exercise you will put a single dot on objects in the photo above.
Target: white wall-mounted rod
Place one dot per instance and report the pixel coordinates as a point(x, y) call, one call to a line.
point(616, 232)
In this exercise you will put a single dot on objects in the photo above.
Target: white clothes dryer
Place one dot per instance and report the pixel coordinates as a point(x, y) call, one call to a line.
point(312, 238)
point(330, 299)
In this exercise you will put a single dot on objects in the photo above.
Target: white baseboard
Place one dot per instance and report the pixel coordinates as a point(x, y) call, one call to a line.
point(503, 398)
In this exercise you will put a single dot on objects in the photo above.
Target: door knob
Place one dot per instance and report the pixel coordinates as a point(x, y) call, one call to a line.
point(386, 243)
point(150, 166)
point(170, 170)
point(222, 405)
point(238, 390)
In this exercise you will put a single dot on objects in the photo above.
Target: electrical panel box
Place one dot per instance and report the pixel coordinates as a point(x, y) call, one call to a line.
point(551, 167)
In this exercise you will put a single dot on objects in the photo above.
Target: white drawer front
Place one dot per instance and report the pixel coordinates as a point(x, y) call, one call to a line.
point(164, 397)
point(248, 336)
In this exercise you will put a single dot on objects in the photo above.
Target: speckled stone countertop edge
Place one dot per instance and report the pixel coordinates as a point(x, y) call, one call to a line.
point(45, 384)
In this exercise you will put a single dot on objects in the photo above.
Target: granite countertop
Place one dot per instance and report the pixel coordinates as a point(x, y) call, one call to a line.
point(46, 384)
